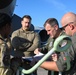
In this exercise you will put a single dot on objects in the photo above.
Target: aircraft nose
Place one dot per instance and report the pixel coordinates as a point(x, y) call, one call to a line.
point(4, 3)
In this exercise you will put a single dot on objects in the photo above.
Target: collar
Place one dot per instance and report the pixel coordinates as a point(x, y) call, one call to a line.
point(26, 31)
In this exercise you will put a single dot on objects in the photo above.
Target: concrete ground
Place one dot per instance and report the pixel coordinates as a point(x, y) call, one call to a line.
point(42, 71)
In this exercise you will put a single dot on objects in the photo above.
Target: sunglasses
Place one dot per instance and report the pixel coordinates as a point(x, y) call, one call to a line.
point(66, 25)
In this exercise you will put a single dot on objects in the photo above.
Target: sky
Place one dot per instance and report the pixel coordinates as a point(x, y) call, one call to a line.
point(41, 10)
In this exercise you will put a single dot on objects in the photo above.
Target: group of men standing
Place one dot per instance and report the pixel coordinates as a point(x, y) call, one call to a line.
point(26, 43)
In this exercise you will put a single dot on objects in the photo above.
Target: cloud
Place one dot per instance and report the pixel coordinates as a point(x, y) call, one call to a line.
point(58, 5)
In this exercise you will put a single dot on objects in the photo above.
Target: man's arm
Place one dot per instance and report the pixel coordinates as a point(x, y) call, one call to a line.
point(15, 39)
point(49, 65)
point(36, 43)
point(18, 42)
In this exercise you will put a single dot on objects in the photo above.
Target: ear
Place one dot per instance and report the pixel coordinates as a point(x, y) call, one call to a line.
point(71, 26)
point(56, 27)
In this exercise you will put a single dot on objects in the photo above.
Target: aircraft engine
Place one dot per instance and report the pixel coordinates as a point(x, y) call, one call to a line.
point(43, 37)
point(7, 6)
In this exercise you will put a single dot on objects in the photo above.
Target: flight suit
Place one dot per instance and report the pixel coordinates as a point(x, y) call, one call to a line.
point(71, 52)
point(48, 47)
point(24, 43)
point(5, 48)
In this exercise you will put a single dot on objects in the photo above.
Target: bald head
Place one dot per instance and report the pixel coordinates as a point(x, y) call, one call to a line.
point(67, 18)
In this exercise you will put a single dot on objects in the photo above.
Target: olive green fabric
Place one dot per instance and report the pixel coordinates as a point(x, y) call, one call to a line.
point(48, 47)
point(25, 42)
point(49, 44)
point(71, 52)
point(5, 48)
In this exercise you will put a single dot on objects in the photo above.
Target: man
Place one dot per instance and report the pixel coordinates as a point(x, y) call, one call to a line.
point(5, 44)
point(68, 22)
point(52, 27)
point(25, 40)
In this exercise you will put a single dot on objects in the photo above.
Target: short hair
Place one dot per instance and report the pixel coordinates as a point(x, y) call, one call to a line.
point(27, 16)
point(51, 21)
point(4, 19)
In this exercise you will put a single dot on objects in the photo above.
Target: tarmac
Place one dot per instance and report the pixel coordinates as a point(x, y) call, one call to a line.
point(41, 71)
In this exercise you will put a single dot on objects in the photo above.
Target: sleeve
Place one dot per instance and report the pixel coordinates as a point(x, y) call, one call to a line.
point(44, 49)
point(36, 43)
point(5, 54)
point(61, 62)
point(18, 42)
point(15, 40)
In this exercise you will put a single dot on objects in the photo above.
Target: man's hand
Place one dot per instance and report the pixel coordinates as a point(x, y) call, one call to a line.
point(37, 51)
point(54, 57)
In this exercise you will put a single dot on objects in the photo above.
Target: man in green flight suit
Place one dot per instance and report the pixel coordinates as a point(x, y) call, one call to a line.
point(25, 40)
point(52, 27)
point(5, 44)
